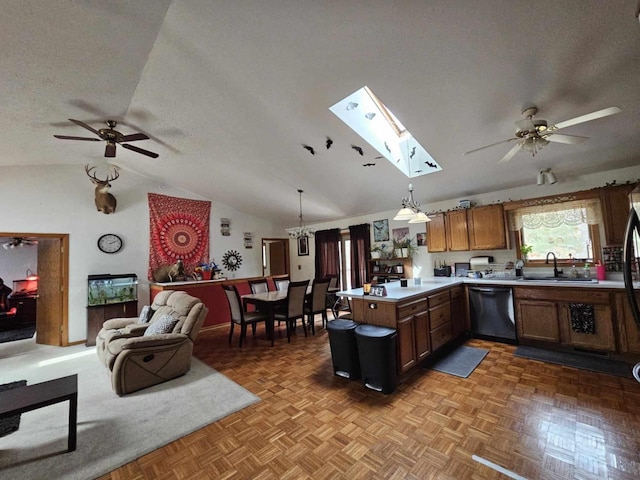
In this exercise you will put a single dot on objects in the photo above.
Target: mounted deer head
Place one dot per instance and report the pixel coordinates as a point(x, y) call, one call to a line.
point(105, 202)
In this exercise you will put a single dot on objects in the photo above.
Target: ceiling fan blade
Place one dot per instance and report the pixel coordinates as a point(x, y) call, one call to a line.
point(67, 137)
point(133, 137)
point(525, 124)
point(140, 150)
point(510, 154)
point(605, 112)
point(492, 145)
point(569, 139)
point(110, 150)
point(84, 125)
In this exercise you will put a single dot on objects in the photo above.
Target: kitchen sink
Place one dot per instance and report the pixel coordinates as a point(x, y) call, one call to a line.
point(559, 279)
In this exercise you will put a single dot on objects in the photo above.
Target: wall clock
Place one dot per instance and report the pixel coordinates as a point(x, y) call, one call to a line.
point(381, 230)
point(110, 243)
point(231, 260)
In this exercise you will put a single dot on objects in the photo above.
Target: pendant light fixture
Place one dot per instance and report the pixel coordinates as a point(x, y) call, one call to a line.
point(411, 210)
point(301, 230)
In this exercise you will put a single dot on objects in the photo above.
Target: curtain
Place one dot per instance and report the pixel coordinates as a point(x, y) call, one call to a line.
point(553, 215)
point(327, 252)
point(360, 247)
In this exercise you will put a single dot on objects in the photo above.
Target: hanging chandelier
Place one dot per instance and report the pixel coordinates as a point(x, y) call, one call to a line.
point(301, 230)
point(411, 210)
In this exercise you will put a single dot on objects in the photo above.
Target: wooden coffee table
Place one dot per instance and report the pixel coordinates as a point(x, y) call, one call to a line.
point(30, 397)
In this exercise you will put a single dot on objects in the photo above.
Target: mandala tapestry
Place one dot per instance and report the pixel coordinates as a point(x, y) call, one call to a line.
point(178, 229)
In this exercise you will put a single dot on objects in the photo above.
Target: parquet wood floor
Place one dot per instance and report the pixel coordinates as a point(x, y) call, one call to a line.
point(539, 420)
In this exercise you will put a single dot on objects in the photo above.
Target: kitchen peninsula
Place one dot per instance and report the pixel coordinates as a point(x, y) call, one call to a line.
point(430, 316)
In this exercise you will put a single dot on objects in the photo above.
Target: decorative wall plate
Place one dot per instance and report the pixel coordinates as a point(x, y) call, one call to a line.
point(232, 260)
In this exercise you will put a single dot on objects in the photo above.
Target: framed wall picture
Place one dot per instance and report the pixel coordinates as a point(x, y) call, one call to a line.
point(303, 246)
point(421, 239)
point(381, 230)
point(400, 234)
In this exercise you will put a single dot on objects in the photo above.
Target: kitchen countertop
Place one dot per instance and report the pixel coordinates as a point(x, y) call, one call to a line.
point(397, 293)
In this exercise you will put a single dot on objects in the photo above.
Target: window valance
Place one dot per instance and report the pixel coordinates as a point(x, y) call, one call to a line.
point(552, 215)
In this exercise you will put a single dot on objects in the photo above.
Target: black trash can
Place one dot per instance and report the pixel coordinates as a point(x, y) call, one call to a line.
point(344, 350)
point(377, 354)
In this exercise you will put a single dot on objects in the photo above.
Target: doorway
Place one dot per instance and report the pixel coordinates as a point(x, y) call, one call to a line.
point(275, 256)
point(52, 316)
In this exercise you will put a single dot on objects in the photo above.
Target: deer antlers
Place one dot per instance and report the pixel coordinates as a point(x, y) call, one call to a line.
point(96, 180)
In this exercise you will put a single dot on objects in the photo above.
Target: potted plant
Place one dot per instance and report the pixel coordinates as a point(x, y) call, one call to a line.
point(377, 251)
point(405, 248)
point(525, 250)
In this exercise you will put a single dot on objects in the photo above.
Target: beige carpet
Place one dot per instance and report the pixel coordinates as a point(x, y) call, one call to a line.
point(112, 430)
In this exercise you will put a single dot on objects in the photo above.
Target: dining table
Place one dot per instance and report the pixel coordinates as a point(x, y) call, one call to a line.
point(268, 302)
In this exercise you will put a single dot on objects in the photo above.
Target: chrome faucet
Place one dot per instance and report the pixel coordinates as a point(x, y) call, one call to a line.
point(556, 272)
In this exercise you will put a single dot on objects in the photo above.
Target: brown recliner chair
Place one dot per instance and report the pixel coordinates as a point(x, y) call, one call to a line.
point(138, 361)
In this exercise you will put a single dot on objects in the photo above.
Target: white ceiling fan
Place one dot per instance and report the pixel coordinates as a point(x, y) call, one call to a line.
point(533, 134)
point(19, 242)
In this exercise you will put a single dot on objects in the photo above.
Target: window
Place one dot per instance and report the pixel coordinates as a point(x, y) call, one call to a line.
point(568, 229)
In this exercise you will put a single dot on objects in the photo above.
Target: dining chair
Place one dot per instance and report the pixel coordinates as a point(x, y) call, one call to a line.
point(239, 316)
point(293, 306)
point(259, 286)
point(281, 283)
point(317, 303)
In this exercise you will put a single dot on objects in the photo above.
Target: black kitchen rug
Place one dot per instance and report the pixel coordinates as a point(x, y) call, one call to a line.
point(576, 360)
point(461, 361)
point(17, 334)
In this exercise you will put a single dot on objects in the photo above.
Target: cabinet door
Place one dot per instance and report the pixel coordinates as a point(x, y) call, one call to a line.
point(458, 315)
point(95, 319)
point(486, 228)
point(629, 329)
point(129, 309)
point(436, 234)
point(421, 331)
point(406, 344)
point(457, 231)
point(538, 320)
point(603, 339)
point(615, 205)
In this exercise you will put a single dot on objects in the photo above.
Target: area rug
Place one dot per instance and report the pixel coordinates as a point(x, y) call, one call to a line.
point(461, 361)
point(577, 360)
point(112, 430)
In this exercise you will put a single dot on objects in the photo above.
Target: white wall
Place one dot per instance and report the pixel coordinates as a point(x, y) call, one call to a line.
point(60, 200)
point(424, 262)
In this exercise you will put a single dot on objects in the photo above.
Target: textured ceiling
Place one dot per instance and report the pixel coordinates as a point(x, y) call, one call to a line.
point(229, 92)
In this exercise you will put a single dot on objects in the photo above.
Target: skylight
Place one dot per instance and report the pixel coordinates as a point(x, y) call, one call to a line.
point(365, 113)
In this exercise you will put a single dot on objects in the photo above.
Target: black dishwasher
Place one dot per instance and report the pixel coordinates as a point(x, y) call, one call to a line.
point(492, 315)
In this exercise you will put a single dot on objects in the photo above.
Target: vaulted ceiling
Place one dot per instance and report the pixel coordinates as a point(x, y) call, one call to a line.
point(228, 92)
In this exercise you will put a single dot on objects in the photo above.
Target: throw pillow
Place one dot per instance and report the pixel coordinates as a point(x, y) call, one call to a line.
point(145, 314)
point(164, 324)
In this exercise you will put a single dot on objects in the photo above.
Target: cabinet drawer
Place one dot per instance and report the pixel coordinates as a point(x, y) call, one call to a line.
point(440, 336)
point(440, 315)
point(438, 299)
point(412, 308)
point(456, 292)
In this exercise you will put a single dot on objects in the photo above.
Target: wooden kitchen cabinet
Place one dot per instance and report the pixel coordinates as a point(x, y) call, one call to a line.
point(629, 330)
point(436, 233)
point(457, 231)
point(538, 321)
point(487, 229)
point(406, 344)
point(98, 314)
point(602, 340)
point(413, 333)
point(459, 317)
point(440, 319)
point(615, 205)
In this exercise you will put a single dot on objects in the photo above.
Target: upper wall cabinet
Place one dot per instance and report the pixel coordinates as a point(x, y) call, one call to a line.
point(457, 231)
point(436, 233)
point(615, 206)
point(487, 228)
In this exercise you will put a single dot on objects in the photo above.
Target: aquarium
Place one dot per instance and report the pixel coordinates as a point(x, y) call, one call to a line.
point(105, 289)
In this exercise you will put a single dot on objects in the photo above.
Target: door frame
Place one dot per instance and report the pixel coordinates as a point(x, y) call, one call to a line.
point(62, 320)
point(287, 260)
